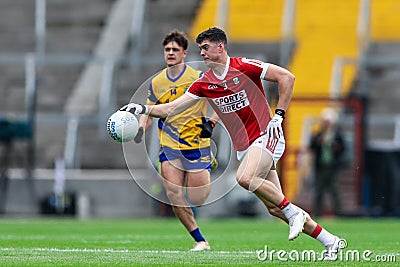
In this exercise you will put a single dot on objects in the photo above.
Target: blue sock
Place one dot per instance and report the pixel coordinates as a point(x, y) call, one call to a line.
point(197, 235)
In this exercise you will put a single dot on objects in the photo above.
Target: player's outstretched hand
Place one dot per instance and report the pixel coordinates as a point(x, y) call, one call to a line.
point(136, 108)
point(274, 128)
point(206, 129)
point(139, 135)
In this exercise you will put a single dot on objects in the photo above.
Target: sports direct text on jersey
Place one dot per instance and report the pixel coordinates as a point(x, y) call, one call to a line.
point(232, 103)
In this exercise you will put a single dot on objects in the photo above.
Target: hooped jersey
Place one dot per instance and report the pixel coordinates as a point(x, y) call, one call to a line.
point(180, 131)
point(238, 98)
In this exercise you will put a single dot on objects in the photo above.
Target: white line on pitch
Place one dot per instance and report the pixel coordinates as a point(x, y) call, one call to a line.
point(88, 250)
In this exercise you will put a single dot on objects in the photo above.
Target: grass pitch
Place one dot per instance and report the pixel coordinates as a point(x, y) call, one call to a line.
point(164, 242)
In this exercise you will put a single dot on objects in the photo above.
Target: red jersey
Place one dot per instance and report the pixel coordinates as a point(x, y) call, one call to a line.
point(238, 98)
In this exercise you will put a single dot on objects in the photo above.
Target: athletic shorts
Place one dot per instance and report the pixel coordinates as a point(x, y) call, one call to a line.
point(275, 147)
point(192, 159)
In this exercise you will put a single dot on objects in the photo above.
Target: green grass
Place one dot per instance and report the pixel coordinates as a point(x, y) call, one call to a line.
point(164, 242)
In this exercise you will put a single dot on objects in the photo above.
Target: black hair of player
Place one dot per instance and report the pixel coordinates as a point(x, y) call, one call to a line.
point(178, 37)
point(213, 34)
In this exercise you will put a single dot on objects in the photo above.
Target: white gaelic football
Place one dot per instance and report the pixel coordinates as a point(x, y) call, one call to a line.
point(122, 126)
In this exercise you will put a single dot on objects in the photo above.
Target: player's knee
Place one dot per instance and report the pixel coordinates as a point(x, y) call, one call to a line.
point(196, 201)
point(244, 181)
point(249, 182)
point(198, 197)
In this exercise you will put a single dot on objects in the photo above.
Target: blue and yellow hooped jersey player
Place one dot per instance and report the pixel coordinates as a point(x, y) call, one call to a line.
point(180, 132)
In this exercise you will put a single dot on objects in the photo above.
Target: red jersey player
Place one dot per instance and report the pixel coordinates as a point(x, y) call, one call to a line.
point(233, 87)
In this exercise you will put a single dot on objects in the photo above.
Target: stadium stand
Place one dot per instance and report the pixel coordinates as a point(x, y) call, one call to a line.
point(385, 20)
point(323, 31)
point(255, 21)
point(73, 28)
point(381, 87)
point(17, 20)
point(376, 82)
point(383, 75)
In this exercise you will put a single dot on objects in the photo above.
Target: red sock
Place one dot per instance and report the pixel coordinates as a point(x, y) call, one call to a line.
point(316, 231)
point(284, 203)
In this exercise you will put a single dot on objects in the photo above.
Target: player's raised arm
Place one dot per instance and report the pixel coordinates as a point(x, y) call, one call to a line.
point(162, 110)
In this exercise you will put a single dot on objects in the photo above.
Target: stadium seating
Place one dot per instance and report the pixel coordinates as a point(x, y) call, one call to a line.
point(385, 20)
point(324, 30)
point(325, 35)
point(385, 43)
point(251, 21)
point(383, 117)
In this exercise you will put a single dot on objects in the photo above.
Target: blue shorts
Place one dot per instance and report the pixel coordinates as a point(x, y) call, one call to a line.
point(191, 159)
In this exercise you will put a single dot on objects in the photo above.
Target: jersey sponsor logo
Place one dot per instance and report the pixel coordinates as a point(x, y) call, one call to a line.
point(212, 86)
point(232, 102)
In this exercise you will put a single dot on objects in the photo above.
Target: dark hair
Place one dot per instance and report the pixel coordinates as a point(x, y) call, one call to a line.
point(214, 35)
point(177, 36)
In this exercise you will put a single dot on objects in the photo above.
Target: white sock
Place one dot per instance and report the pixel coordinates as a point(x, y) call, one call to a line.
point(290, 210)
point(325, 238)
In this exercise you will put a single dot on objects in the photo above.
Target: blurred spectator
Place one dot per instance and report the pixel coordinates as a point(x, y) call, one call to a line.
point(327, 147)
